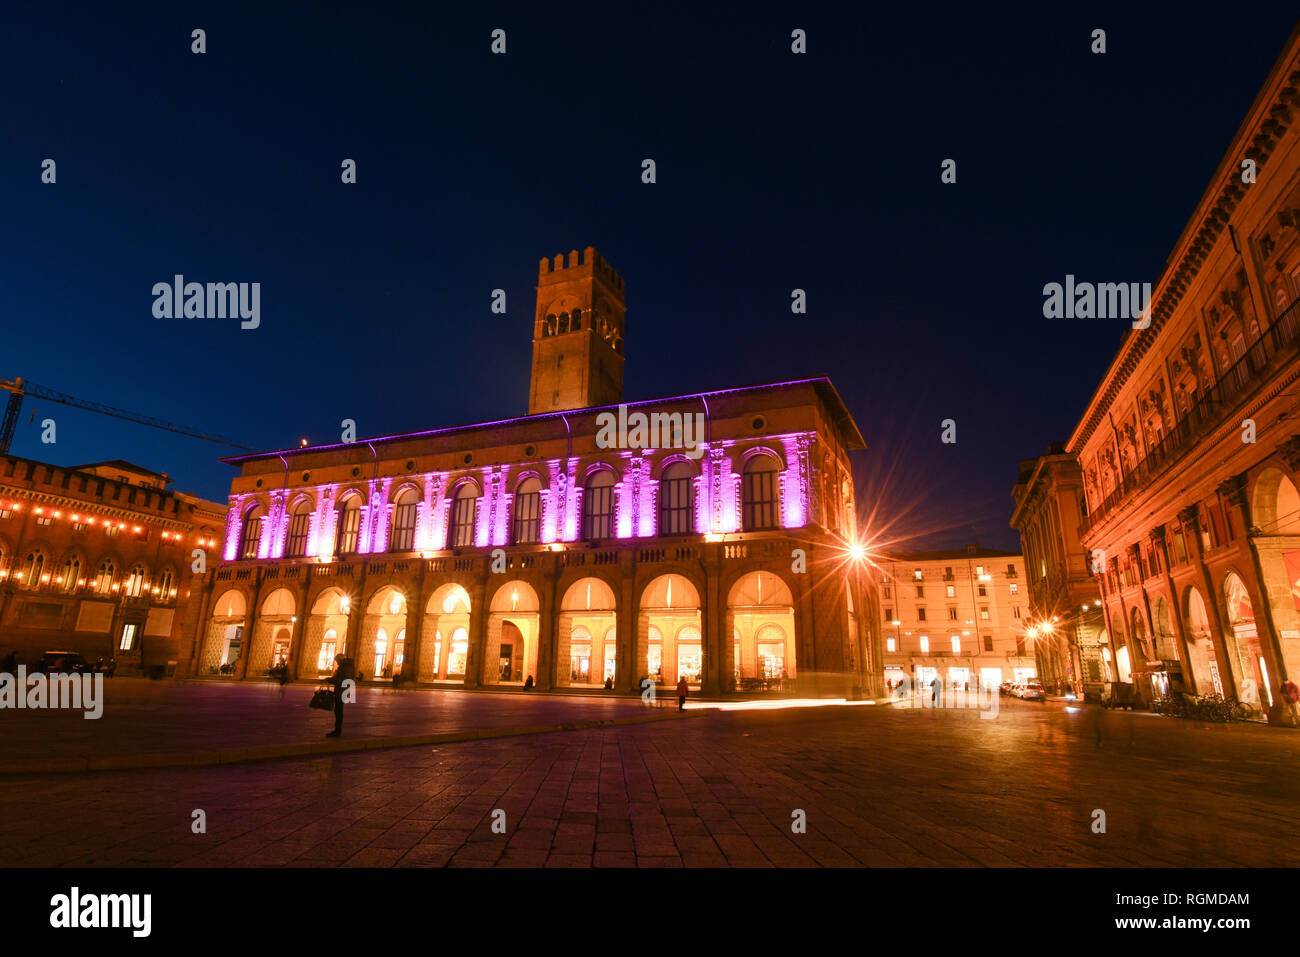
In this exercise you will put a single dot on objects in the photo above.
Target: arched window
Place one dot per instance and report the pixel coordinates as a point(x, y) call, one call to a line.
point(349, 524)
point(33, 568)
point(135, 582)
point(71, 573)
point(676, 507)
point(549, 328)
point(759, 493)
point(403, 537)
point(165, 582)
point(464, 511)
point(104, 577)
point(250, 535)
point(575, 320)
point(598, 506)
point(527, 512)
point(299, 523)
point(564, 323)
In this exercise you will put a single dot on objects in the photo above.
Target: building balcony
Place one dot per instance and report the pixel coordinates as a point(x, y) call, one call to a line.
point(1275, 347)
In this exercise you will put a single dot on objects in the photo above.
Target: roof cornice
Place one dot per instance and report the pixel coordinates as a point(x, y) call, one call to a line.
point(1268, 118)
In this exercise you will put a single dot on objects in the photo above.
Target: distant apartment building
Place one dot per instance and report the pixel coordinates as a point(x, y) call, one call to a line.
point(1049, 508)
point(961, 616)
point(1190, 447)
point(97, 559)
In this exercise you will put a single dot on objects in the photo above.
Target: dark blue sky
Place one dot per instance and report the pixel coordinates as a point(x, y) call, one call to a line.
point(775, 171)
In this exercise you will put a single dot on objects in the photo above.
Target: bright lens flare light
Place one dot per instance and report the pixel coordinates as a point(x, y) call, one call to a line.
point(857, 551)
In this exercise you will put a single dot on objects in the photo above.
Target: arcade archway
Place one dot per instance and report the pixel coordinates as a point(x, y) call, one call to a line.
point(326, 632)
point(760, 611)
point(588, 622)
point(444, 640)
point(1253, 689)
point(670, 643)
point(510, 647)
point(224, 643)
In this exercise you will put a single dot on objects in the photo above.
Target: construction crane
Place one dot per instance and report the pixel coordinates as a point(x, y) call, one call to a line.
point(18, 388)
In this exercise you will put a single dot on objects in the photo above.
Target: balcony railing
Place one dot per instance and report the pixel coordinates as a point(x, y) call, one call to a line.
point(1209, 409)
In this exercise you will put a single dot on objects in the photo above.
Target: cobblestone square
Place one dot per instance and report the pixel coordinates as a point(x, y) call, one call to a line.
point(879, 786)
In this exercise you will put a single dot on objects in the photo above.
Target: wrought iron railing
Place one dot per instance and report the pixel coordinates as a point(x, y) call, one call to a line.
point(1208, 411)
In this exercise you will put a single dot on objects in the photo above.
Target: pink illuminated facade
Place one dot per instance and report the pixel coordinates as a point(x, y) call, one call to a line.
point(489, 553)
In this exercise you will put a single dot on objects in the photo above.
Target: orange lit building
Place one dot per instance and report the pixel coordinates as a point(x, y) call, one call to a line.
point(564, 545)
point(96, 559)
point(1049, 508)
point(1190, 446)
point(959, 616)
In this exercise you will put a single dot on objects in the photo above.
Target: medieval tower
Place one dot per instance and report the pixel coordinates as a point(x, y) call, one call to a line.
point(577, 335)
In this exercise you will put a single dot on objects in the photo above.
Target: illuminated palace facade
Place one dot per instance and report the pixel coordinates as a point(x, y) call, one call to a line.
point(1190, 447)
point(550, 547)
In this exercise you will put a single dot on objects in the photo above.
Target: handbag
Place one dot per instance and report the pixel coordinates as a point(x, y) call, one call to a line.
point(323, 699)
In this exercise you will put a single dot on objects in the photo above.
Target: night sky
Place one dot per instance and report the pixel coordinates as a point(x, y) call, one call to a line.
point(775, 171)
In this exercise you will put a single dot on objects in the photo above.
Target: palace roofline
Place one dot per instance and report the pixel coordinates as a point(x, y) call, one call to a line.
point(1265, 123)
point(840, 415)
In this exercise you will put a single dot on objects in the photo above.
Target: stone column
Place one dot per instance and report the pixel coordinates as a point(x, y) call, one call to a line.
point(1234, 490)
point(414, 633)
point(1180, 627)
point(477, 628)
point(629, 614)
point(1190, 518)
point(713, 640)
point(298, 629)
point(250, 624)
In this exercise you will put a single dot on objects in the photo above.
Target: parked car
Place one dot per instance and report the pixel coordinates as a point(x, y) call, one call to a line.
point(62, 663)
point(1032, 691)
point(1005, 688)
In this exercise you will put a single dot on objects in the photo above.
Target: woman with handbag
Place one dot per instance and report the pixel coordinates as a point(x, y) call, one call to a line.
point(343, 673)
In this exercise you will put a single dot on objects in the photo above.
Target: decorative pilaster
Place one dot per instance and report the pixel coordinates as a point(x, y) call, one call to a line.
point(273, 529)
point(1233, 489)
point(437, 511)
point(324, 525)
point(425, 516)
point(551, 523)
point(483, 519)
point(716, 460)
point(380, 492)
point(233, 516)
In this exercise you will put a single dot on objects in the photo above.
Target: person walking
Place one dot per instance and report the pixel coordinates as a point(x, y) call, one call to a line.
point(283, 676)
point(682, 691)
point(343, 674)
